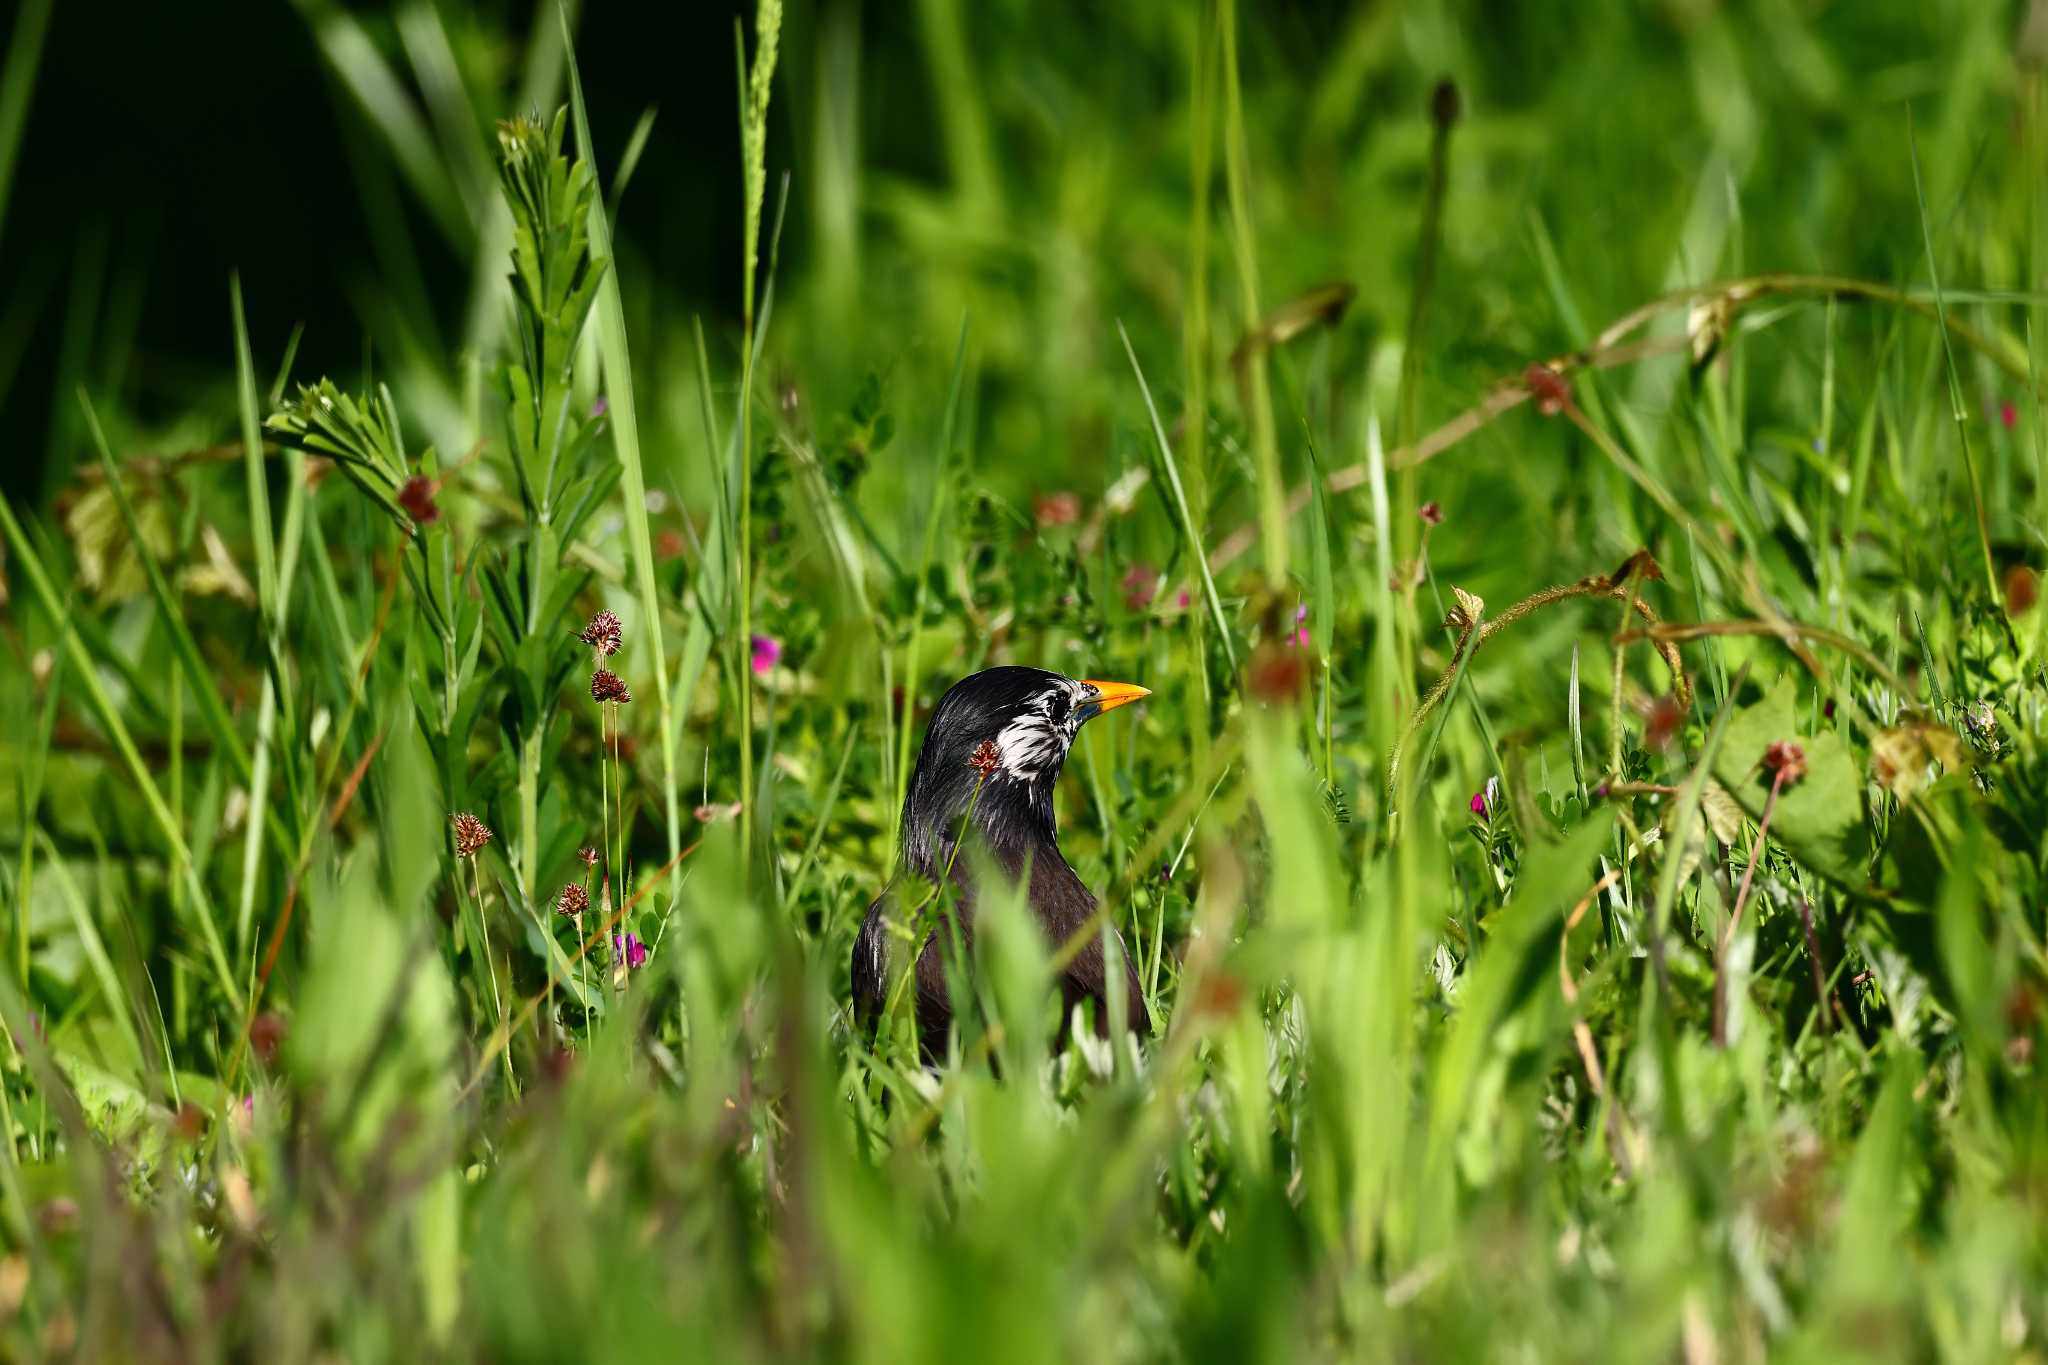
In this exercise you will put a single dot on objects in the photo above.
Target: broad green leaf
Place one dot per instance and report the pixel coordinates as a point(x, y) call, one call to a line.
point(1819, 818)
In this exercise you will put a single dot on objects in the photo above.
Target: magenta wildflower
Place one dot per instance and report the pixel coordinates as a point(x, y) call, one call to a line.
point(2008, 414)
point(631, 949)
point(599, 407)
point(1486, 799)
point(767, 653)
point(1183, 599)
point(1301, 625)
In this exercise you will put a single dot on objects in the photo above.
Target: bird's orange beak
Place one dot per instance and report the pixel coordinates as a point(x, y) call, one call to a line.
point(1110, 695)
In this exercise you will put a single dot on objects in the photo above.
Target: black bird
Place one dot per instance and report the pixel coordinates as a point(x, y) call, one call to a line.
point(1006, 730)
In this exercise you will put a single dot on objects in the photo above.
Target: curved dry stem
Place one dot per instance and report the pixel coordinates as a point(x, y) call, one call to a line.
point(1787, 632)
point(1611, 347)
point(1617, 586)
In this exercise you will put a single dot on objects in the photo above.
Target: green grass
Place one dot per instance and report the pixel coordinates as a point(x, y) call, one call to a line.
point(288, 1078)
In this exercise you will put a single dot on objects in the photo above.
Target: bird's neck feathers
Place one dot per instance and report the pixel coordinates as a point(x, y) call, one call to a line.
point(1011, 817)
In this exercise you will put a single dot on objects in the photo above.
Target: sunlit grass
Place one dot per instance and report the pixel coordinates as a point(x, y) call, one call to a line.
point(1518, 993)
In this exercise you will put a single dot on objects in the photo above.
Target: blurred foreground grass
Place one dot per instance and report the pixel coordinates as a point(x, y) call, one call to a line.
point(1630, 1014)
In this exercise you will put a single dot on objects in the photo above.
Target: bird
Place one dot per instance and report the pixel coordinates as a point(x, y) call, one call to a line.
point(994, 747)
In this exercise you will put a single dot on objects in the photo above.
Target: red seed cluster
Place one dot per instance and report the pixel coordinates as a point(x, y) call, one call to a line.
point(1787, 760)
point(417, 498)
point(986, 758)
point(1549, 389)
point(606, 685)
point(603, 634)
point(471, 834)
point(572, 900)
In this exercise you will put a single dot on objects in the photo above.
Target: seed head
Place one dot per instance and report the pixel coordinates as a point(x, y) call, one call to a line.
point(587, 856)
point(471, 834)
point(417, 498)
point(986, 759)
point(1549, 389)
point(1787, 760)
point(1431, 514)
point(572, 900)
point(606, 685)
point(1443, 103)
point(1056, 509)
point(2022, 590)
point(1275, 673)
point(1666, 715)
point(603, 634)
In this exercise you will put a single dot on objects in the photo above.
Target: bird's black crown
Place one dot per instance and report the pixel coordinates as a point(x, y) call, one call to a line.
point(1030, 717)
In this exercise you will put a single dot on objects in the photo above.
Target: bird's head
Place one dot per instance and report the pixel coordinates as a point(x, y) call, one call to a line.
point(1005, 731)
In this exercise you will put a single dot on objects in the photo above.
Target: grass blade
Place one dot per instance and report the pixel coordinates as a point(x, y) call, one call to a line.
point(625, 424)
point(1955, 384)
point(1192, 532)
point(17, 85)
point(200, 906)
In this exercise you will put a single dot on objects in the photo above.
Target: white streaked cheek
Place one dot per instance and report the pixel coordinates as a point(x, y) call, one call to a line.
point(1027, 747)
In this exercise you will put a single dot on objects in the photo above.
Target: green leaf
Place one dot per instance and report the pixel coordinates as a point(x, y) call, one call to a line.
point(1819, 819)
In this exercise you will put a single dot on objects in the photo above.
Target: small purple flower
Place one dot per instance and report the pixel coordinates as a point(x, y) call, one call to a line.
point(1301, 625)
point(599, 407)
point(631, 949)
point(1486, 799)
point(767, 653)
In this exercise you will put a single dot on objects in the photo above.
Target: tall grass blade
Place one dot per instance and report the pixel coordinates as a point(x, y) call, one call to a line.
point(1955, 384)
point(17, 87)
point(1192, 532)
point(625, 424)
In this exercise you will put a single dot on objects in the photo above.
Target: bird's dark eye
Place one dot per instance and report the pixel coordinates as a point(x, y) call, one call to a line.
point(1057, 712)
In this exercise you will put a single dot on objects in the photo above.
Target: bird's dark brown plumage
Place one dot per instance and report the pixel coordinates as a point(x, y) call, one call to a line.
point(1005, 731)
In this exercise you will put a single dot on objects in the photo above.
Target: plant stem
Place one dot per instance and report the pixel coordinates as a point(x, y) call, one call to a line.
point(1756, 851)
point(491, 971)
